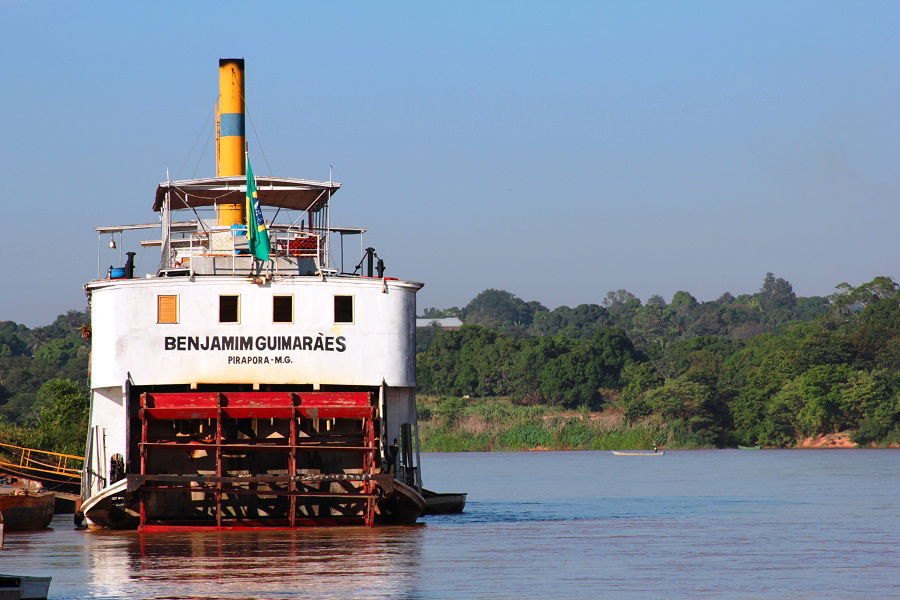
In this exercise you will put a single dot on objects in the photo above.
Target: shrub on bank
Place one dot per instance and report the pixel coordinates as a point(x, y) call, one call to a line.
point(454, 441)
point(525, 436)
point(631, 438)
point(479, 424)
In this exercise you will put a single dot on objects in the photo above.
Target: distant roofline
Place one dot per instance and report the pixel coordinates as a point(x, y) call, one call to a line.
point(442, 322)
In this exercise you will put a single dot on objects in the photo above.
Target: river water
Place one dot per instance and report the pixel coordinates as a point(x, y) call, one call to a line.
point(717, 523)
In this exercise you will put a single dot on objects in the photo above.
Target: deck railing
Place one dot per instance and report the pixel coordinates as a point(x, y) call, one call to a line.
point(233, 243)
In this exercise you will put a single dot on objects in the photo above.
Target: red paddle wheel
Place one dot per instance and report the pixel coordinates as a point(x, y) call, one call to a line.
point(235, 460)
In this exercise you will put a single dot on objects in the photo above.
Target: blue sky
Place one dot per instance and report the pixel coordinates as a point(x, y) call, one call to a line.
point(556, 150)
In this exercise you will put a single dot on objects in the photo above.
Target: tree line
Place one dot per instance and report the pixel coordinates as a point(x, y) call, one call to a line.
point(765, 368)
point(768, 367)
point(43, 383)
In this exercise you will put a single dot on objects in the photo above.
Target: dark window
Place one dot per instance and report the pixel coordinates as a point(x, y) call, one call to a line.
point(343, 309)
point(282, 309)
point(228, 309)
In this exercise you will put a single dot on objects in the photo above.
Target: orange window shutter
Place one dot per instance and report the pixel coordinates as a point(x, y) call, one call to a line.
point(167, 309)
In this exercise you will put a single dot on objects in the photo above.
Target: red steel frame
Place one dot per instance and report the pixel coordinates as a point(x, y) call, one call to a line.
point(257, 405)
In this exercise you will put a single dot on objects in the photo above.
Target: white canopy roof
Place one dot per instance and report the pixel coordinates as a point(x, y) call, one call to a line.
point(292, 194)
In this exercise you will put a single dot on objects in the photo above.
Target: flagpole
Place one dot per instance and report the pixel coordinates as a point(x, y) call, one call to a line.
point(248, 202)
point(257, 235)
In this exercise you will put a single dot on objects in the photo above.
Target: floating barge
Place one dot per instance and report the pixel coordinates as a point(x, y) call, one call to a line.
point(233, 391)
point(25, 505)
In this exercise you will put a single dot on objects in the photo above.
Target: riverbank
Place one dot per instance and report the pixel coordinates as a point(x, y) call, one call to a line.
point(841, 439)
point(449, 424)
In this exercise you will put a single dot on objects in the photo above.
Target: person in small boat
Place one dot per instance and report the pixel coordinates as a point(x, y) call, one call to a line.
point(655, 448)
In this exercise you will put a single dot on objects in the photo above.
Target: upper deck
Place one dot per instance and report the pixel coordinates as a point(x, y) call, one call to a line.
point(301, 293)
point(191, 243)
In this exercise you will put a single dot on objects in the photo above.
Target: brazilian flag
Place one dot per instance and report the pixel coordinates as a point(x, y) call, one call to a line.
point(257, 236)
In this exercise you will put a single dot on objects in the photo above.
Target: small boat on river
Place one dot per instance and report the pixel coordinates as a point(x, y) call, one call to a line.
point(24, 587)
point(25, 505)
point(749, 447)
point(443, 504)
point(638, 452)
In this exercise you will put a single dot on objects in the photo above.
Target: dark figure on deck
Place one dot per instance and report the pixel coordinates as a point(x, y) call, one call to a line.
point(393, 450)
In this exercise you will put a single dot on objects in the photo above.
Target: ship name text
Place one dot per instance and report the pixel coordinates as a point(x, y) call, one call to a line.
point(319, 342)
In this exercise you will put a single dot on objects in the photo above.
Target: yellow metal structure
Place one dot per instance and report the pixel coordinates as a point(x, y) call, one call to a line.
point(230, 120)
point(50, 466)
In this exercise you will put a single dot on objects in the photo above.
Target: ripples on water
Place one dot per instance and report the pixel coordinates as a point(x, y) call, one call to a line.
point(719, 524)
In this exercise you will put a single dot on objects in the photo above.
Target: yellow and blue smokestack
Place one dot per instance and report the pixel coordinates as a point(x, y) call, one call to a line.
point(231, 132)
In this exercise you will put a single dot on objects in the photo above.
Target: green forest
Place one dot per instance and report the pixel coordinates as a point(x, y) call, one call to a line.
point(766, 368)
point(43, 383)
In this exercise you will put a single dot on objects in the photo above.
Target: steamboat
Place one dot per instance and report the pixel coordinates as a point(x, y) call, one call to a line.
point(246, 383)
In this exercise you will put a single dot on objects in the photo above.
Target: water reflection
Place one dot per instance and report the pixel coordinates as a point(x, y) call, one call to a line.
point(313, 563)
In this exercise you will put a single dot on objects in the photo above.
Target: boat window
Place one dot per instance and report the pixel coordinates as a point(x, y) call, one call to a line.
point(167, 309)
point(343, 309)
point(282, 309)
point(229, 309)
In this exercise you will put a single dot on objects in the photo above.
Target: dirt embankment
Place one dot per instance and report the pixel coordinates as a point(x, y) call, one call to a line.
point(831, 440)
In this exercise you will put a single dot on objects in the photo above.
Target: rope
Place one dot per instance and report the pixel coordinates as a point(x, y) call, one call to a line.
point(258, 141)
point(206, 145)
point(194, 145)
point(203, 153)
point(213, 198)
point(362, 260)
point(256, 133)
